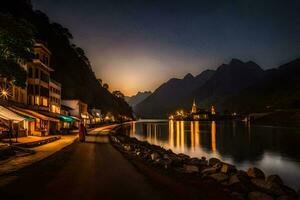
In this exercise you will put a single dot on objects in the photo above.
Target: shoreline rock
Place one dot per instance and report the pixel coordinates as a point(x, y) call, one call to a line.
point(253, 184)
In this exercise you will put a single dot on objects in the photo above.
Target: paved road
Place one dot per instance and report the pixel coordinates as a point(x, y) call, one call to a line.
point(91, 170)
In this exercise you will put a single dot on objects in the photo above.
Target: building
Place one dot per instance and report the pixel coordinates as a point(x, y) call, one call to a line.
point(194, 107)
point(213, 110)
point(79, 109)
point(39, 79)
point(202, 114)
point(40, 101)
point(96, 116)
point(55, 96)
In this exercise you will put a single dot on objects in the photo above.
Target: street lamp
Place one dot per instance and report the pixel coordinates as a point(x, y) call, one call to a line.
point(4, 93)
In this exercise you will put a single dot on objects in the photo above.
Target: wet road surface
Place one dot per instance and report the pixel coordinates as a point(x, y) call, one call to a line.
point(91, 170)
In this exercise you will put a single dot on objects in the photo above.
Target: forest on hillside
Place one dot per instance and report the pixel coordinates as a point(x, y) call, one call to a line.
point(72, 67)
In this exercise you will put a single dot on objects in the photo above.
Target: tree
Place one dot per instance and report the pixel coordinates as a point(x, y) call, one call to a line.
point(16, 39)
point(16, 46)
point(105, 86)
point(82, 56)
point(118, 94)
point(62, 31)
point(13, 72)
point(99, 81)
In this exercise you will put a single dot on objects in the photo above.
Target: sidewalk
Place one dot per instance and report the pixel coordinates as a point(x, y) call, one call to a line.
point(27, 139)
point(15, 163)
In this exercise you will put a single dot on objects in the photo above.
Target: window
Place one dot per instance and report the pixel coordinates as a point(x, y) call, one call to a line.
point(30, 89)
point(22, 97)
point(44, 77)
point(30, 72)
point(16, 94)
point(36, 89)
point(45, 102)
point(37, 73)
point(37, 123)
point(44, 91)
point(37, 100)
point(31, 100)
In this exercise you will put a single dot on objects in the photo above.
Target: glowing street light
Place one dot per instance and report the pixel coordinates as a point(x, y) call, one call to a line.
point(4, 93)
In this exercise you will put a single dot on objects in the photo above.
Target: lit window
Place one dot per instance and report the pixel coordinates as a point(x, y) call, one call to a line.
point(37, 100)
point(45, 102)
point(37, 123)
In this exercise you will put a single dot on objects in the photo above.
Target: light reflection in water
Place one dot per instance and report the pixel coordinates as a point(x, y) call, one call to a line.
point(213, 137)
point(182, 136)
point(195, 135)
point(241, 144)
point(171, 133)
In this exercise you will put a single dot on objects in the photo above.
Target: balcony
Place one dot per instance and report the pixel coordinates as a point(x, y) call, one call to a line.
point(39, 62)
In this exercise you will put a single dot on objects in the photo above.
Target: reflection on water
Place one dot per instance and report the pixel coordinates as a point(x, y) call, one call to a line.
point(275, 150)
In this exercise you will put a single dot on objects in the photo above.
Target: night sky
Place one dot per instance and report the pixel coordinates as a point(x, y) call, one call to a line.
point(138, 45)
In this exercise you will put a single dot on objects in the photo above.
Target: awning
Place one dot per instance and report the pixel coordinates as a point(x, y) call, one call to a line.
point(66, 118)
point(8, 115)
point(75, 118)
point(22, 114)
point(36, 114)
point(61, 117)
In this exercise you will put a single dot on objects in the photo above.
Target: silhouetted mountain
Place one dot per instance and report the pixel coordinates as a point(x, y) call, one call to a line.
point(208, 88)
point(171, 95)
point(72, 68)
point(228, 80)
point(278, 89)
point(238, 86)
point(136, 99)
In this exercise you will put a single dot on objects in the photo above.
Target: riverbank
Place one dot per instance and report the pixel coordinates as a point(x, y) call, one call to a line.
point(219, 180)
point(280, 118)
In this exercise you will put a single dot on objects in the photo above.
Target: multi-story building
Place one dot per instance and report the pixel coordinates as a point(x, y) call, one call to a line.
point(39, 78)
point(40, 100)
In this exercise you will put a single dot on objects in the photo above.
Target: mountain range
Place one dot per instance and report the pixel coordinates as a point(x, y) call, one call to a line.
point(136, 99)
point(236, 87)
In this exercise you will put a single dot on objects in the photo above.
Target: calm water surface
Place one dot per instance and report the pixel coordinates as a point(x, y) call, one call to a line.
point(274, 150)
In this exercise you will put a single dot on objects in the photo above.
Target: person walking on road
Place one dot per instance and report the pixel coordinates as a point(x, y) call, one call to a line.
point(82, 133)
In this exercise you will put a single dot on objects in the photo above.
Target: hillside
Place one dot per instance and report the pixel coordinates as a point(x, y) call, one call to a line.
point(72, 67)
point(228, 80)
point(278, 89)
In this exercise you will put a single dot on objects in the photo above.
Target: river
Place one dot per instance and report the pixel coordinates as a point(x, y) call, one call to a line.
point(275, 150)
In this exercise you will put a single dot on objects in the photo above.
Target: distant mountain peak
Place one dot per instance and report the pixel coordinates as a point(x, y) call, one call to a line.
point(188, 76)
point(135, 99)
point(235, 61)
point(235, 64)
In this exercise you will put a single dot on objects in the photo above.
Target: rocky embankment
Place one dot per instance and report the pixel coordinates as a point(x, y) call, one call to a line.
point(252, 184)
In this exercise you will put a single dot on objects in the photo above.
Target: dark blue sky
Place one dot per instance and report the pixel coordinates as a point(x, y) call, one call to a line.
point(137, 45)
